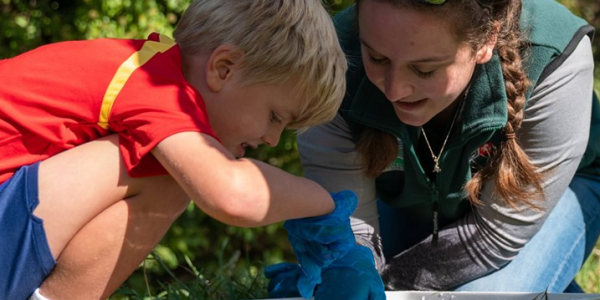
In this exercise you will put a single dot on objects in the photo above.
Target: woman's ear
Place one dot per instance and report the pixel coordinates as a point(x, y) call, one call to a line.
point(222, 63)
point(484, 54)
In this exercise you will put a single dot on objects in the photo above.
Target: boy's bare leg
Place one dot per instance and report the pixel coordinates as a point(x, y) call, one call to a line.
point(113, 221)
point(108, 249)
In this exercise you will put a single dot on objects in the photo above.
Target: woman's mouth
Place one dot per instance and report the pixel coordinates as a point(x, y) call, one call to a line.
point(410, 106)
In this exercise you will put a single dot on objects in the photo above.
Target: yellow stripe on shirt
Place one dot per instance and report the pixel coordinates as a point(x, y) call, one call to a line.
point(136, 60)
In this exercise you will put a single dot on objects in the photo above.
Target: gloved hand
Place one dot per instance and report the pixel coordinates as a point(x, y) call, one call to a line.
point(318, 241)
point(283, 280)
point(351, 277)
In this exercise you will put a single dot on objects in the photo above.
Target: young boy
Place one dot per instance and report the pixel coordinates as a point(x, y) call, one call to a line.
point(103, 142)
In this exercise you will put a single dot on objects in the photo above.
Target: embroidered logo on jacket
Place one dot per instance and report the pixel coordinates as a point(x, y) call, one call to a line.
point(485, 149)
point(479, 157)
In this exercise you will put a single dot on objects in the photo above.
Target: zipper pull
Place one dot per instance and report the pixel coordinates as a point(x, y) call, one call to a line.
point(434, 239)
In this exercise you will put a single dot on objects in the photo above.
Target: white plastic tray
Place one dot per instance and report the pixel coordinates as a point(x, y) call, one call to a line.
point(479, 296)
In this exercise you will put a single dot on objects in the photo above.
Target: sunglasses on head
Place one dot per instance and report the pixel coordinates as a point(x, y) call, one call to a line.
point(435, 2)
point(442, 2)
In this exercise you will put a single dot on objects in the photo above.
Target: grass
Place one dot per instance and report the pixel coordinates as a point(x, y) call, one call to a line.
point(589, 275)
point(238, 279)
point(229, 281)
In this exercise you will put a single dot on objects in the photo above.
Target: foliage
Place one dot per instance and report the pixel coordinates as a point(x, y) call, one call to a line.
point(226, 282)
point(589, 275)
point(222, 253)
point(27, 24)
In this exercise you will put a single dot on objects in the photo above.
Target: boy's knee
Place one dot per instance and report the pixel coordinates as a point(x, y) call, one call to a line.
point(162, 195)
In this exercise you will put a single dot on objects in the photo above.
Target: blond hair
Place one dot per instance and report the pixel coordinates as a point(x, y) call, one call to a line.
point(281, 40)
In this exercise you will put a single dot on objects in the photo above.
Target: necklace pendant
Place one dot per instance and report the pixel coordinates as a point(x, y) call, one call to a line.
point(436, 169)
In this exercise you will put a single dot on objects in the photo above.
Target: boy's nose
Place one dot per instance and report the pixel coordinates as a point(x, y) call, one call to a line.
point(271, 138)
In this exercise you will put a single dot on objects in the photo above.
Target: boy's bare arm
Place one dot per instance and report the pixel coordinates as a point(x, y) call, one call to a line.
point(240, 192)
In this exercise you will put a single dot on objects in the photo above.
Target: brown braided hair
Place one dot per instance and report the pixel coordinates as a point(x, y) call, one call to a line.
point(477, 22)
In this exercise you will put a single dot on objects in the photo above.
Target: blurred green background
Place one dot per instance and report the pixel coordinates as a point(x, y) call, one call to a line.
point(196, 247)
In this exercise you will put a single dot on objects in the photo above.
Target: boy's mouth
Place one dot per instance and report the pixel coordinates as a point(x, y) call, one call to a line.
point(241, 151)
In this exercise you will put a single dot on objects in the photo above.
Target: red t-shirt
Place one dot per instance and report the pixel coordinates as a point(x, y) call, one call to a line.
point(61, 95)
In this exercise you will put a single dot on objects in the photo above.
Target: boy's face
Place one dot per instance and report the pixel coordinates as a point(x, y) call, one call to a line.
point(252, 114)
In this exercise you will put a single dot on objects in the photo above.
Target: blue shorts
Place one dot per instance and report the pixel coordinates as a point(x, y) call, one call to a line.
point(25, 257)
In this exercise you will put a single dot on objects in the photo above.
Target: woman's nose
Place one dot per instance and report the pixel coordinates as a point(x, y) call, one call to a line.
point(397, 86)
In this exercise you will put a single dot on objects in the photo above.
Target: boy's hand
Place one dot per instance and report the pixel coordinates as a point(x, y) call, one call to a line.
point(283, 280)
point(351, 277)
point(318, 241)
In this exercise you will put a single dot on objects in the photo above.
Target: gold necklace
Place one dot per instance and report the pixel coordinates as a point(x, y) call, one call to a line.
point(436, 159)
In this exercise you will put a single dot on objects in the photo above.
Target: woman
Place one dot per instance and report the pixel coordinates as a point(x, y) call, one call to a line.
point(465, 133)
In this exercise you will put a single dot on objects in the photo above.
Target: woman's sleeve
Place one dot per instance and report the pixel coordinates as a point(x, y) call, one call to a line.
point(328, 156)
point(554, 134)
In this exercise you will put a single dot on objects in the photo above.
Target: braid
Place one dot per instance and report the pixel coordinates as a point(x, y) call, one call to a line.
point(516, 178)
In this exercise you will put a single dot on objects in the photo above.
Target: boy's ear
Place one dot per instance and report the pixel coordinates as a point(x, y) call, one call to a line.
point(223, 62)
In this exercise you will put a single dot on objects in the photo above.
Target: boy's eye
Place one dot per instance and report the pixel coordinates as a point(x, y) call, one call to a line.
point(275, 118)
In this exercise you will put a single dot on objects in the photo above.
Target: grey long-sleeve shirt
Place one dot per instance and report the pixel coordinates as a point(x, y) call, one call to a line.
point(554, 134)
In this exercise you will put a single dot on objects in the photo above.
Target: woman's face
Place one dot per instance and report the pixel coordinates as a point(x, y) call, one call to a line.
point(415, 60)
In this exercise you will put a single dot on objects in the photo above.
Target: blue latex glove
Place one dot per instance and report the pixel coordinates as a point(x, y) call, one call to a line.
point(318, 241)
point(283, 280)
point(351, 277)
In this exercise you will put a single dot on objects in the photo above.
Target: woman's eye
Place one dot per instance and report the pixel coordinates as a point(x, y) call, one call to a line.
point(275, 118)
point(423, 74)
point(376, 61)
